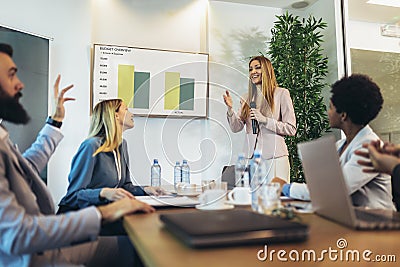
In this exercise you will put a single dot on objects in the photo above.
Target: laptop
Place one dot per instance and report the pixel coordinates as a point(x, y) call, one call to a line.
point(328, 190)
point(201, 229)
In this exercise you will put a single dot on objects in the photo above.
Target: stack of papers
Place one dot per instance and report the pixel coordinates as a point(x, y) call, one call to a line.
point(165, 201)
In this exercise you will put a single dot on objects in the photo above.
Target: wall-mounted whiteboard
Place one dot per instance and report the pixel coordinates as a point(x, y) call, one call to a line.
point(151, 82)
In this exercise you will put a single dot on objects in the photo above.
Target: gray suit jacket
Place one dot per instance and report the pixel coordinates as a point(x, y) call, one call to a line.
point(28, 225)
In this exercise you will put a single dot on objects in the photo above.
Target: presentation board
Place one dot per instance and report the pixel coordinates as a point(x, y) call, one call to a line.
point(151, 82)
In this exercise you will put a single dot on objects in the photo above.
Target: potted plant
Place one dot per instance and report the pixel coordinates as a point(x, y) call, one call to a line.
point(300, 66)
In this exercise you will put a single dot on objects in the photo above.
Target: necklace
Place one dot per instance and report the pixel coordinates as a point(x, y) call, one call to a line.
point(117, 165)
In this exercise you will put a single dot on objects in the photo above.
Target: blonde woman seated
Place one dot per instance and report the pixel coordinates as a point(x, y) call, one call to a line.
point(100, 169)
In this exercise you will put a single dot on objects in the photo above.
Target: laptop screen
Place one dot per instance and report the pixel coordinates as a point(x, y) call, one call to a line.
point(325, 181)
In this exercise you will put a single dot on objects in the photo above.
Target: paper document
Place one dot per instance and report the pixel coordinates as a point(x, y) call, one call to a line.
point(164, 201)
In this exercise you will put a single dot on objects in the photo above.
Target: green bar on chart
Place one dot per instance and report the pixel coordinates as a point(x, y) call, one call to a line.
point(142, 90)
point(172, 88)
point(126, 83)
point(186, 96)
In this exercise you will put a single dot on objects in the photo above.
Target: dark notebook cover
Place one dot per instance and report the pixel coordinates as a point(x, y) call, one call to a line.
point(231, 227)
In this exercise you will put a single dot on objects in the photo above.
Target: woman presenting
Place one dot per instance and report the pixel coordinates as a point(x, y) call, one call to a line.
point(268, 114)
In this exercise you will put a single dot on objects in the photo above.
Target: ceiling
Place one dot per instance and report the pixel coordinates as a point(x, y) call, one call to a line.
point(361, 11)
point(268, 3)
point(358, 9)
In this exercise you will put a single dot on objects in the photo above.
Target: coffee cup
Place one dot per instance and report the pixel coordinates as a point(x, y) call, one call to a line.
point(186, 189)
point(214, 198)
point(207, 184)
point(240, 195)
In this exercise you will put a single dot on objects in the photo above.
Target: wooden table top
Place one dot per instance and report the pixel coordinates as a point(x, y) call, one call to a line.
point(158, 247)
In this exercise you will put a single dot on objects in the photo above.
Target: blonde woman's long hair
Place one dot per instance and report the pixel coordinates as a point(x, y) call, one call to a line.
point(268, 86)
point(103, 124)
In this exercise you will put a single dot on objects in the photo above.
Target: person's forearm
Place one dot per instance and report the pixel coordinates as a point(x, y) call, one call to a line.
point(230, 111)
point(39, 153)
point(89, 197)
point(387, 164)
point(235, 123)
point(108, 213)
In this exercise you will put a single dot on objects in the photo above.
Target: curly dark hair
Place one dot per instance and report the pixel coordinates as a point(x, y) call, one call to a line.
point(6, 48)
point(358, 96)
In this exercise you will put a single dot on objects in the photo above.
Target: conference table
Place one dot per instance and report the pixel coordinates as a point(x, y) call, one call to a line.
point(328, 244)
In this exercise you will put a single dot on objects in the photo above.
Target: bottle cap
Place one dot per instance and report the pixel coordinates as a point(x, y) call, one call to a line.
point(155, 161)
point(184, 161)
point(177, 163)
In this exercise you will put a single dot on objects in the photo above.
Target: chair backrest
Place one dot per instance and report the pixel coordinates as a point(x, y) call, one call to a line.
point(228, 175)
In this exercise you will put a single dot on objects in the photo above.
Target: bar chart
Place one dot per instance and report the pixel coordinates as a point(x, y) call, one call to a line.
point(151, 82)
point(133, 87)
point(179, 92)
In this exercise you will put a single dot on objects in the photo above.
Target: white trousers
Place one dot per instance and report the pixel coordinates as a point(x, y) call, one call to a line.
point(279, 167)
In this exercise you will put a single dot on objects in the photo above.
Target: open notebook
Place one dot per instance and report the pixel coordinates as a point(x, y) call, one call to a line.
point(231, 227)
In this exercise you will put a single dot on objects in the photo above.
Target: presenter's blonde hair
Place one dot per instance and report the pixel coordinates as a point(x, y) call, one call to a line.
point(268, 85)
point(103, 124)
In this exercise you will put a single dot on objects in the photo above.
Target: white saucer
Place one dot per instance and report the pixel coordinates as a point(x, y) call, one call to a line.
point(205, 207)
point(237, 203)
point(189, 194)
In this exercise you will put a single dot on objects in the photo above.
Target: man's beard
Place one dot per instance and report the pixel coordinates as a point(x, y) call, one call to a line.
point(11, 110)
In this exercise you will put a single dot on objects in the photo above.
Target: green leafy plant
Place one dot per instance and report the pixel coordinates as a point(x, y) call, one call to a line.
point(296, 54)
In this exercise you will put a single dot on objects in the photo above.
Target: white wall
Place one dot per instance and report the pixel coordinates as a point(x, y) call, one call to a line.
point(364, 35)
point(367, 36)
point(173, 25)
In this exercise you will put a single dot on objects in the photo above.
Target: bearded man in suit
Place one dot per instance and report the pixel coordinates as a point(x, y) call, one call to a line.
point(30, 232)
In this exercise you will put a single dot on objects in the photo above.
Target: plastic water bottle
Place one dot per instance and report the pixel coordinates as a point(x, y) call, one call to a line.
point(177, 173)
point(155, 173)
point(257, 174)
point(241, 172)
point(185, 172)
point(246, 177)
